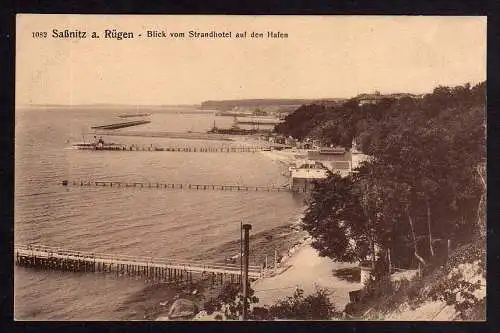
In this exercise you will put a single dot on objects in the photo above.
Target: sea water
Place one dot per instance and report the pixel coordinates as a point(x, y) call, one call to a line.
point(161, 223)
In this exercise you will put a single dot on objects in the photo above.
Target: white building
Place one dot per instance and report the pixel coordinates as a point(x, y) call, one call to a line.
point(305, 173)
point(357, 159)
point(320, 161)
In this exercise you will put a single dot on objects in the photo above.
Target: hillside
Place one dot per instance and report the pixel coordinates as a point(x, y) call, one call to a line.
point(452, 290)
point(225, 105)
point(419, 200)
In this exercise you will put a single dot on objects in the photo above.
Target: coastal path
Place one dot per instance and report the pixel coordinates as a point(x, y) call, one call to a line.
point(157, 269)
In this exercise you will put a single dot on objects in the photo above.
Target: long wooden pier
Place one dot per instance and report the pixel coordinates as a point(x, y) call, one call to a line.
point(179, 186)
point(259, 122)
point(156, 269)
point(151, 148)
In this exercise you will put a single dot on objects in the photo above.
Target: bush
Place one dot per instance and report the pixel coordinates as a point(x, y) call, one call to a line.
point(458, 292)
point(212, 305)
point(316, 306)
point(230, 301)
point(260, 313)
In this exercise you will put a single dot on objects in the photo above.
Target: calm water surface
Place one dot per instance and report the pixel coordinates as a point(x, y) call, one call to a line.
point(149, 222)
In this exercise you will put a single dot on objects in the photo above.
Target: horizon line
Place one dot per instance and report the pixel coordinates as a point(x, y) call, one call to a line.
point(239, 99)
point(200, 103)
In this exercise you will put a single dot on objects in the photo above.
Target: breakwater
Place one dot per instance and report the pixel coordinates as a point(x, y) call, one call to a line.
point(121, 124)
point(179, 186)
point(134, 115)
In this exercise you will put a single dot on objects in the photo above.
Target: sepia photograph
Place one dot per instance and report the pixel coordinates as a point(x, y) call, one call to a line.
point(250, 168)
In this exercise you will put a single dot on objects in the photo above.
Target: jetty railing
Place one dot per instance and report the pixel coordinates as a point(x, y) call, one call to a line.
point(179, 186)
point(183, 149)
point(46, 257)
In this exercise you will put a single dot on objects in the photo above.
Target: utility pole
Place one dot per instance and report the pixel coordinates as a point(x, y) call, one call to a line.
point(389, 260)
point(241, 253)
point(246, 250)
point(275, 260)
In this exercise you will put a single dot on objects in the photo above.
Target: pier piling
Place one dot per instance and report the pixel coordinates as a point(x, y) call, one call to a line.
point(42, 257)
point(199, 187)
point(184, 149)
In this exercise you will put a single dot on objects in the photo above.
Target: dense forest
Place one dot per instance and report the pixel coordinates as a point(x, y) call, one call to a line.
point(422, 192)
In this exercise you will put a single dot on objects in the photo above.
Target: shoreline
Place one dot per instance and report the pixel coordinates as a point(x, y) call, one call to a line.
point(282, 243)
point(154, 300)
point(305, 269)
point(302, 267)
point(159, 297)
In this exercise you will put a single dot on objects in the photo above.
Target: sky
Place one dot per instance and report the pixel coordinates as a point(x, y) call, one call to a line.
point(323, 57)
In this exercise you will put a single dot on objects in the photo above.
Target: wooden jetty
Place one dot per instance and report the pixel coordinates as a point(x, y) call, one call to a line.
point(179, 186)
point(156, 269)
point(162, 134)
point(259, 122)
point(151, 148)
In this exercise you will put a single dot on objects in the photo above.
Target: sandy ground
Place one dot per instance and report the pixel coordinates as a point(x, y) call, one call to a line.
point(433, 310)
point(304, 268)
point(306, 271)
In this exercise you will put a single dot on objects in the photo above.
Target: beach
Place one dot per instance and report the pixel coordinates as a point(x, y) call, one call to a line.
point(300, 267)
point(280, 241)
point(305, 269)
point(298, 263)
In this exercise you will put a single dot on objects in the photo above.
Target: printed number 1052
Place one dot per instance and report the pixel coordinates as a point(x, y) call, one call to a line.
point(39, 34)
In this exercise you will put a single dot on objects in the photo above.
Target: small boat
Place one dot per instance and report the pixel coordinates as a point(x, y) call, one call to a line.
point(99, 144)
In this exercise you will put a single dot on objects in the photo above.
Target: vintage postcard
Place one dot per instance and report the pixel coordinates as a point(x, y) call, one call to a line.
point(250, 168)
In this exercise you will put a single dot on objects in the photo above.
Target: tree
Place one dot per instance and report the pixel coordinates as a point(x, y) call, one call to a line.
point(299, 123)
point(422, 186)
point(335, 219)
